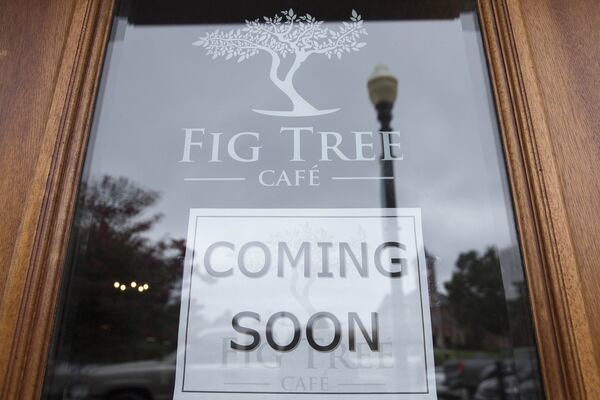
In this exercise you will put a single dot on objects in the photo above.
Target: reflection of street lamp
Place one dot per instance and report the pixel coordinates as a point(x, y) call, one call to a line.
point(383, 88)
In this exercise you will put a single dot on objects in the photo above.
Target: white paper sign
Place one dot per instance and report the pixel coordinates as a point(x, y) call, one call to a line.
point(290, 302)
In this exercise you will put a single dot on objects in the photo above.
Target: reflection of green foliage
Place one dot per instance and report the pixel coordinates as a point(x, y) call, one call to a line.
point(476, 296)
point(104, 324)
point(520, 317)
point(441, 356)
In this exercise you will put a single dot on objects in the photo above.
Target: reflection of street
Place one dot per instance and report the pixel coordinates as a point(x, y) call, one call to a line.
point(485, 378)
point(480, 378)
point(139, 380)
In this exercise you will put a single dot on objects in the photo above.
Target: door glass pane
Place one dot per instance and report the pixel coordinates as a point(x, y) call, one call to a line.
point(294, 199)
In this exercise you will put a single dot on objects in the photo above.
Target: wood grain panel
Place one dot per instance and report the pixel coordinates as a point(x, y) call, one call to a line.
point(565, 47)
point(563, 329)
point(58, 129)
point(29, 66)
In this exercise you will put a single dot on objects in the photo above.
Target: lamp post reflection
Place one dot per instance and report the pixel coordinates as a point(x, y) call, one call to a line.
point(383, 89)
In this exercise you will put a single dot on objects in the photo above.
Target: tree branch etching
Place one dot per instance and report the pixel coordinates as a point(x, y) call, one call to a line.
point(286, 34)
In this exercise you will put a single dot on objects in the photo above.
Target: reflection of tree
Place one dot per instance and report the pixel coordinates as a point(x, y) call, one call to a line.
point(476, 296)
point(520, 317)
point(102, 323)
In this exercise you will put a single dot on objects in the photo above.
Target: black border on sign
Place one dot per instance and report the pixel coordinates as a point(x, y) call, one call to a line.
point(303, 216)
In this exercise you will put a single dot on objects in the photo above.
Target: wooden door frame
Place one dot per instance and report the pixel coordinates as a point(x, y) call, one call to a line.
point(563, 335)
point(32, 286)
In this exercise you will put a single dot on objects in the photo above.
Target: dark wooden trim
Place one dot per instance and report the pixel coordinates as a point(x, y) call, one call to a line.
point(561, 326)
point(34, 274)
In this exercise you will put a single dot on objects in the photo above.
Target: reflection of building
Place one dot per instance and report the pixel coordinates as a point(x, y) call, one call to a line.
point(512, 272)
point(445, 329)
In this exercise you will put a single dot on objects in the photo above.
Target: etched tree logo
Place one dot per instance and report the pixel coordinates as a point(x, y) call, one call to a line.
point(283, 35)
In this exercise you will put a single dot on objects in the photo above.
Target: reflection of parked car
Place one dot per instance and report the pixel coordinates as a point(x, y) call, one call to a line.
point(508, 385)
point(465, 374)
point(144, 380)
point(141, 380)
point(440, 382)
point(495, 386)
point(444, 392)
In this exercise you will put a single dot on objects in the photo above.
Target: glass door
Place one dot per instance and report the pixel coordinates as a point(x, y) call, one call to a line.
point(294, 199)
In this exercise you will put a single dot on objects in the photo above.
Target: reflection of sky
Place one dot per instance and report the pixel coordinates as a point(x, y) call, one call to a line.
point(157, 83)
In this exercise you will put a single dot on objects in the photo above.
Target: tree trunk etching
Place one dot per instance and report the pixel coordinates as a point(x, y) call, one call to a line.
point(300, 106)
